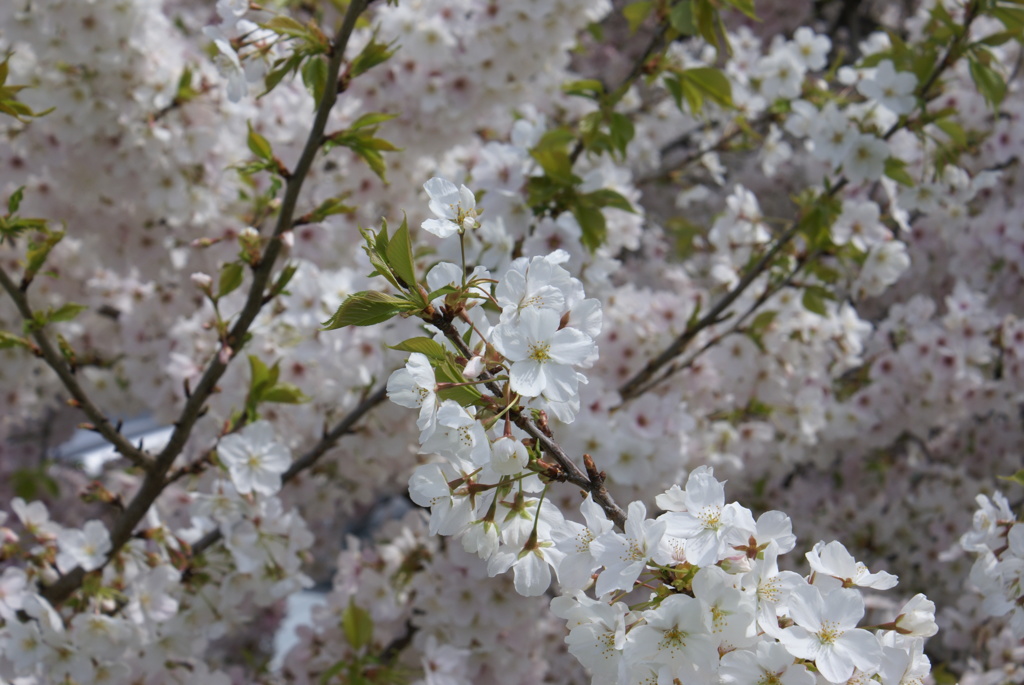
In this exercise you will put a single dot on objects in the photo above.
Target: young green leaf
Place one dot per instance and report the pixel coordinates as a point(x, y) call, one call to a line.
point(399, 255)
point(259, 145)
point(426, 346)
point(231, 276)
point(367, 308)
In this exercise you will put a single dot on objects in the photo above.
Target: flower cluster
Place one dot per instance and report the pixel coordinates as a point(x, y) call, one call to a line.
point(998, 573)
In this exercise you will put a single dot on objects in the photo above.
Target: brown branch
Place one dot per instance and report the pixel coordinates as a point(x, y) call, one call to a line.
point(155, 480)
point(55, 360)
point(642, 381)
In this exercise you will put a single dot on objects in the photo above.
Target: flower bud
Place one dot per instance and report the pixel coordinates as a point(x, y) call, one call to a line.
point(917, 617)
point(202, 281)
point(474, 367)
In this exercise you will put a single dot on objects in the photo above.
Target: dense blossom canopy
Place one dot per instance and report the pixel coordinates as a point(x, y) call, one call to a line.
point(554, 341)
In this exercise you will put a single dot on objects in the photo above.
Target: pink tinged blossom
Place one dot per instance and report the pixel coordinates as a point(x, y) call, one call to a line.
point(87, 548)
point(254, 459)
point(826, 632)
point(833, 561)
point(625, 556)
point(542, 356)
point(454, 207)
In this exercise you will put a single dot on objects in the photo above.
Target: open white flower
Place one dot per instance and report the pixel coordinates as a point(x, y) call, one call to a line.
point(542, 356)
point(826, 632)
point(87, 548)
point(415, 387)
point(890, 88)
point(254, 459)
point(455, 208)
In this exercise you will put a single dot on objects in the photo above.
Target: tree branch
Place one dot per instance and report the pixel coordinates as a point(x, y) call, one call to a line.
point(154, 481)
point(55, 360)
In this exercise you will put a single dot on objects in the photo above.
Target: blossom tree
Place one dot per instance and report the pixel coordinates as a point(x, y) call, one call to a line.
point(707, 313)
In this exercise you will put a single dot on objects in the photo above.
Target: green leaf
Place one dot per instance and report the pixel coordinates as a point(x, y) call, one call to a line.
point(621, 131)
point(66, 312)
point(37, 253)
point(954, 130)
point(399, 255)
point(367, 308)
point(14, 201)
point(426, 346)
point(231, 276)
point(259, 145)
point(592, 223)
point(606, 197)
point(314, 77)
point(371, 119)
point(711, 83)
point(283, 279)
point(9, 340)
point(762, 321)
point(636, 13)
point(357, 624)
point(447, 371)
point(28, 483)
point(281, 68)
point(680, 17)
point(284, 393)
point(896, 169)
point(1017, 478)
point(286, 26)
point(260, 375)
point(1012, 18)
point(329, 207)
point(988, 81)
point(814, 299)
point(744, 6)
point(588, 88)
point(373, 54)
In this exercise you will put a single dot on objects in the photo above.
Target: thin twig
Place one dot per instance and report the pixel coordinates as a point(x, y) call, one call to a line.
point(55, 360)
point(644, 379)
point(154, 481)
